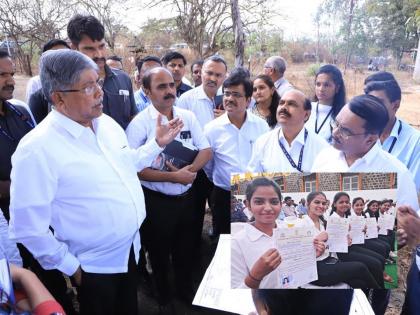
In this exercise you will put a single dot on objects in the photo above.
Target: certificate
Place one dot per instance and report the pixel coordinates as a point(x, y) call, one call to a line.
point(357, 225)
point(382, 226)
point(372, 228)
point(389, 221)
point(298, 256)
point(338, 229)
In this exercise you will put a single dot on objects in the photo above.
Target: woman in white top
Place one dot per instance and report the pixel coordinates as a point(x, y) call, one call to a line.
point(254, 258)
point(266, 99)
point(330, 97)
point(330, 270)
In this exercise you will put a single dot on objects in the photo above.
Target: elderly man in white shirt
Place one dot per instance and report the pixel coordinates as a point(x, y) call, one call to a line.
point(291, 147)
point(76, 173)
point(231, 137)
point(275, 67)
point(168, 229)
point(356, 131)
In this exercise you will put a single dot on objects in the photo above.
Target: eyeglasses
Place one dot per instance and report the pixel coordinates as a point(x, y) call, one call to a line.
point(89, 90)
point(233, 94)
point(344, 132)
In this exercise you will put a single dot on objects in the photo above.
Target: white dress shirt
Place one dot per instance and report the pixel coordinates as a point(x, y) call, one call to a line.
point(323, 111)
point(33, 85)
point(197, 101)
point(406, 147)
point(376, 160)
point(269, 157)
point(308, 222)
point(232, 147)
point(142, 130)
point(282, 86)
point(248, 245)
point(83, 183)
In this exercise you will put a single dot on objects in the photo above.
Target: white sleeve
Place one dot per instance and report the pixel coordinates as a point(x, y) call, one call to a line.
point(183, 102)
point(239, 270)
point(33, 188)
point(208, 168)
point(7, 246)
point(199, 139)
point(254, 164)
point(406, 190)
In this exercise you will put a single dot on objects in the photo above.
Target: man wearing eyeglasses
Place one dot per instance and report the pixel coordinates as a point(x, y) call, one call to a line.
point(275, 67)
point(87, 35)
point(355, 135)
point(76, 173)
point(290, 148)
point(231, 137)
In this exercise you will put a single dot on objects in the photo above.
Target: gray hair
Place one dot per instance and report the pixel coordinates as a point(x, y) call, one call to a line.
point(216, 58)
point(277, 63)
point(60, 69)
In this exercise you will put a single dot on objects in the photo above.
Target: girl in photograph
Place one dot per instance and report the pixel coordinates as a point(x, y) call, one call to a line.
point(330, 97)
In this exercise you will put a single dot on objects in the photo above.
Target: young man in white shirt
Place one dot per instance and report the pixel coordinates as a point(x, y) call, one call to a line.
point(231, 137)
point(398, 138)
point(356, 148)
point(75, 173)
point(290, 148)
point(167, 230)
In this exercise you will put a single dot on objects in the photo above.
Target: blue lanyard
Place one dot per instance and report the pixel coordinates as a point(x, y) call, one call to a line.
point(299, 166)
point(395, 139)
point(27, 120)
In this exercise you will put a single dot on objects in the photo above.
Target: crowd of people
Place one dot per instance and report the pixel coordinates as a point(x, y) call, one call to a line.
point(83, 194)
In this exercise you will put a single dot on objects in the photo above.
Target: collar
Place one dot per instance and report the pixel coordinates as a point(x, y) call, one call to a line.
point(394, 131)
point(183, 87)
point(279, 82)
point(369, 157)
point(72, 127)
point(249, 118)
point(154, 112)
point(143, 96)
point(201, 94)
point(108, 71)
point(253, 233)
point(300, 138)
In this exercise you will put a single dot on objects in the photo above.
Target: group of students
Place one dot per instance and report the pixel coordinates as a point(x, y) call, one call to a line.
point(255, 259)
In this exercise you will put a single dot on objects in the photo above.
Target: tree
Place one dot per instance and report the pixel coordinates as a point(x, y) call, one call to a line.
point(416, 19)
point(239, 34)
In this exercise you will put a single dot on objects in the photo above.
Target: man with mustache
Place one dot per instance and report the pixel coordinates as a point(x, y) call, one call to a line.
point(231, 137)
point(15, 122)
point(167, 231)
point(76, 173)
point(87, 34)
point(355, 146)
point(290, 148)
point(204, 102)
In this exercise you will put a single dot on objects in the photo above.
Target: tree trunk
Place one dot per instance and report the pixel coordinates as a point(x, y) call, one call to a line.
point(416, 73)
point(239, 34)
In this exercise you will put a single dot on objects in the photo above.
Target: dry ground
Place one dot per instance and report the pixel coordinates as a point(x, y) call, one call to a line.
point(409, 111)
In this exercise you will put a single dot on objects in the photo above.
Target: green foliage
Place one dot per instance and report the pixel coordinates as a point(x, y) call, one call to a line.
point(313, 68)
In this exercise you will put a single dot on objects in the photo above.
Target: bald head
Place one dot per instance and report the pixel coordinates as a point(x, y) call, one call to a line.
point(275, 66)
point(159, 86)
point(294, 110)
point(148, 76)
point(299, 97)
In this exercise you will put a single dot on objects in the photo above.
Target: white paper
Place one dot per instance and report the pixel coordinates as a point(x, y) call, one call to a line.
point(298, 256)
point(360, 305)
point(389, 221)
point(214, 290)
point(338, 229)
point(372, 228)
point(382, 226)
point(357, 225)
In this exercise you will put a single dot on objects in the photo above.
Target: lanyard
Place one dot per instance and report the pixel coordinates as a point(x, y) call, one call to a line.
point(395, 139)
point(21, 116)
point(299, 166)
point(316, 119)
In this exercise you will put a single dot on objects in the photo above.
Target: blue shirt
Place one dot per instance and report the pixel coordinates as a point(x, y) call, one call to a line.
point(406, 148)
point(142, 101)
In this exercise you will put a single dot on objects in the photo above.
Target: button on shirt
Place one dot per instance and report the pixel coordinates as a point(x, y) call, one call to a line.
point(141, 99)
point(197, 101)
point(84, 184)
point(269, 157)
point(282, 86)
point(406, 148)
point(248, 245)
point(232, 147)
point(142, 130)
point(376, 160)
point(323, 111)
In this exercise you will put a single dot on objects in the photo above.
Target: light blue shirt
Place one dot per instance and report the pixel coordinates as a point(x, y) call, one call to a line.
point(406, 148)
point(141, 100)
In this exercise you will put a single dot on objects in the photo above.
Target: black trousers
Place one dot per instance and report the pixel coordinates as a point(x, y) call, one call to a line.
point(109, 293)
point(355, 274)
point(412, 300)
point(221, 211)
point(373, 261)
point(168, 233)
point(201, 191)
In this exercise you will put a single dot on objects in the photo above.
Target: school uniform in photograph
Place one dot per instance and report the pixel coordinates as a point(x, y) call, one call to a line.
point(320, 121)
point(232, 148)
